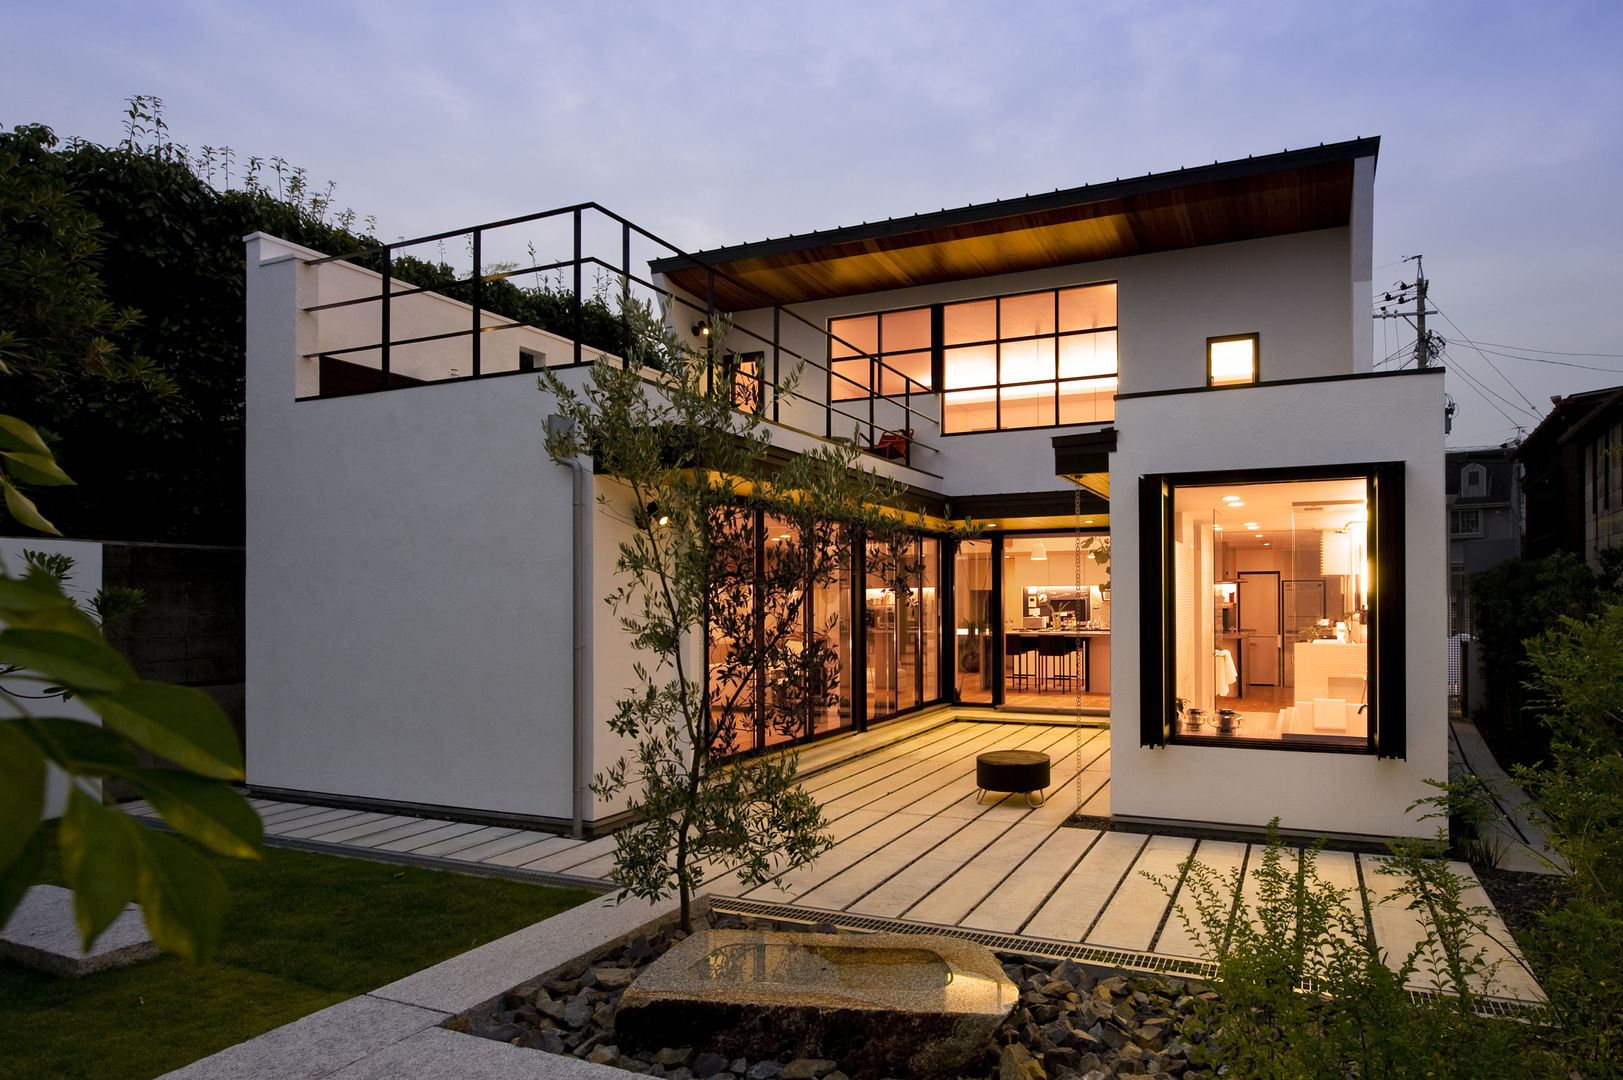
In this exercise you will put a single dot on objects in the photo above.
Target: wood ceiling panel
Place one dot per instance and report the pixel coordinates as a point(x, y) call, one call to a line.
point(1160, 214)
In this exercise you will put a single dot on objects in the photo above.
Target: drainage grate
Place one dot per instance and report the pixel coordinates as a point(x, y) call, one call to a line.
point(1508, 1008)
point(1009, 943)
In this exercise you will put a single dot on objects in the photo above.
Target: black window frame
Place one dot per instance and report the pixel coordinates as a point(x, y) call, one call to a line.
point(1256, 359)
point(1387, 666)
point(938, 349)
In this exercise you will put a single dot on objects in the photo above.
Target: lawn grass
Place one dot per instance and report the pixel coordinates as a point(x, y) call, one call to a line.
point(304, 932)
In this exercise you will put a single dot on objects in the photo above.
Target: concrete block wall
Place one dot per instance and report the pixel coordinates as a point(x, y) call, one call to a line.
point(190, 631)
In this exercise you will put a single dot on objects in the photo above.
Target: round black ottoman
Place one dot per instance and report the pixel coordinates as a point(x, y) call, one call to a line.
point(1022, 771)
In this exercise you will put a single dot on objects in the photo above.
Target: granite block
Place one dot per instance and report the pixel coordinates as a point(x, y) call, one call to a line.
point(316, 1045)
point(42, 936)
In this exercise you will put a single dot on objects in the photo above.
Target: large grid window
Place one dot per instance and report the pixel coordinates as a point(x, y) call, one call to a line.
point(1037, 359)
point(889, 353)
point(1033, 360)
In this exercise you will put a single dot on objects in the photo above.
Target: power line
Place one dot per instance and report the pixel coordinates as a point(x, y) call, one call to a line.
point(1490, 397)
point(1479, 352)
point(1551, 352)
point(1556, 363)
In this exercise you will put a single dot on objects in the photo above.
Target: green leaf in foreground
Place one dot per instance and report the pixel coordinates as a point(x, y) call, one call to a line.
point(23, 509)
point(22, 796)
point(208, 811)
point(98, 860)
point(22, 872)
point(39, 469)
point(181, 894)
point(174, 722)
point(73, 661)
point(81, 748)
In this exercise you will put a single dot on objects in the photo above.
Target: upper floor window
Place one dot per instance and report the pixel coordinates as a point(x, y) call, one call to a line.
point(1473, 480)
point(1465, 523)
point(1036, 359)
point(1231, 360)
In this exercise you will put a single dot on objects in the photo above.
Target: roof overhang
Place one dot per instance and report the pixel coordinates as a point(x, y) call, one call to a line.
point(1291, 192)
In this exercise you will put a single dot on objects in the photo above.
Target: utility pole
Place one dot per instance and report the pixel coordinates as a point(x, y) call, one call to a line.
point(1424, 339)
point(1422, 343)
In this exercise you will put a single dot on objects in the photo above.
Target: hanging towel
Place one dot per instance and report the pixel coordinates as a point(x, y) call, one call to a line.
point(1223, 673)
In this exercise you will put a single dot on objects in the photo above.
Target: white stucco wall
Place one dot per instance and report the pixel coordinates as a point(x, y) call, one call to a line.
point(1375, 418)
point(82, 585)
point(408, 580)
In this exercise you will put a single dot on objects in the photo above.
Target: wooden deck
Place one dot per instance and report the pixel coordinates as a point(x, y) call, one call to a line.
point(914, 847)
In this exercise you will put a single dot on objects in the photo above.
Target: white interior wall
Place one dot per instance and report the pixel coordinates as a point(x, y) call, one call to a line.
point(1396, 417)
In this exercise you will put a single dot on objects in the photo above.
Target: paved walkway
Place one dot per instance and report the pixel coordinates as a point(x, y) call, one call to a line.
point(915, 850)
point(1519, 841)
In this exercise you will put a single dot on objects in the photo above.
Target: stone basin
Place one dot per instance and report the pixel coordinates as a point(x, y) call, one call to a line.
point(879, 1004)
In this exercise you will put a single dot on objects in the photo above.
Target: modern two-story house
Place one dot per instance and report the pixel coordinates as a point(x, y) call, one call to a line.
point(1207, 522)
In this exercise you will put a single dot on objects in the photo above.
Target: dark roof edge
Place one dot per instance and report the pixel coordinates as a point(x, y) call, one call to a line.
point(1323, 154)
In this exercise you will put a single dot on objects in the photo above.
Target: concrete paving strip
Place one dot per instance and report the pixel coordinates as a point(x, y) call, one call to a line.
point(1397, 929)
point(288, 813)
point(407, 827)
point(416, 841)
point(977, 879)
point(359, 834)
point(895, 876)
point(1506, 974)
point(486, 852)
point(843, 855)
point(533, 852)
point(282, 826)
point(1075, 905)
point(472, 838)
point(1014, 901)
point(1224, 860)
point(567, 860)
point(1134, 914)
point(322, 829)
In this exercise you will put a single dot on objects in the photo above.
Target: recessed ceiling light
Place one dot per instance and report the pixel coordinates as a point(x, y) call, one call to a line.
point(1252, 525)
point(1231, 498)
point(1236, 504)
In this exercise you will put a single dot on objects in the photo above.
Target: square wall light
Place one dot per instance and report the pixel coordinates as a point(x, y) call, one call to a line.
point(1231, 360)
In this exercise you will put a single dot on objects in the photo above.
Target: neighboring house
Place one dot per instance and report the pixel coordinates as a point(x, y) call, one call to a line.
point(1484, 521)
point(1207, 518)
point(1572, 476)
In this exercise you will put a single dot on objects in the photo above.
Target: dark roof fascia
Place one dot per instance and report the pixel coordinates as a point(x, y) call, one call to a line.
point(1152, 183)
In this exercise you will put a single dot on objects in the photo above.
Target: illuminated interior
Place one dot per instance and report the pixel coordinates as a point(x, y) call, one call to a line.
point(1231, 360)
point(1036, 359)
point(1270, 595)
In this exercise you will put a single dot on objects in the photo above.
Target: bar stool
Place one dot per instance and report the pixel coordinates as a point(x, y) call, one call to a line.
point(1056, 659)
point(1016, 647)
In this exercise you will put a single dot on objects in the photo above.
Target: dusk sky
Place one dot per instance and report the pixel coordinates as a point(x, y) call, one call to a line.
point(720, 123)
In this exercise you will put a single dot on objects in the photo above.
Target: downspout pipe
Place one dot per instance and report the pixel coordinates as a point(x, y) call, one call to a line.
point(580, 700)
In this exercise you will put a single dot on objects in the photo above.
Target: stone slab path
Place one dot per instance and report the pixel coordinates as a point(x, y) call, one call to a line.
point(914, 849)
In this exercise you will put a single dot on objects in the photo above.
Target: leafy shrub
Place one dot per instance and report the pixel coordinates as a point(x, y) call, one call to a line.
point(1304, 990)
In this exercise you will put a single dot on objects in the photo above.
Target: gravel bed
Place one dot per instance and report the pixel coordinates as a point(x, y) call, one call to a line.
point(1070, 1021)
point(1520, 898)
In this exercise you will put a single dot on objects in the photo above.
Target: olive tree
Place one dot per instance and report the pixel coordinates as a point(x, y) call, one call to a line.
point(722, 633)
